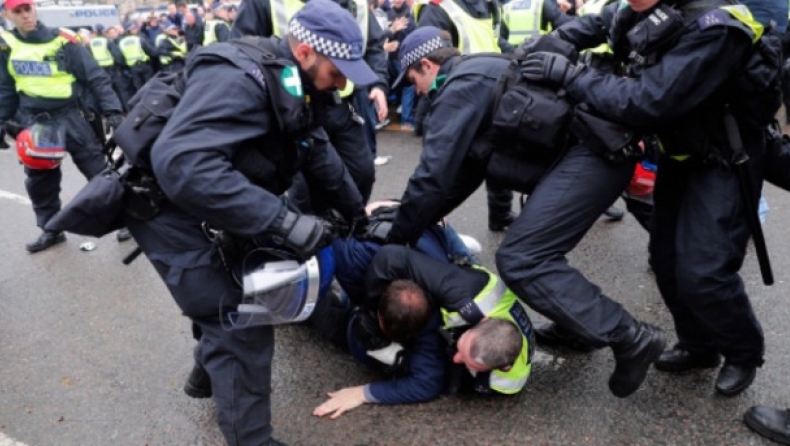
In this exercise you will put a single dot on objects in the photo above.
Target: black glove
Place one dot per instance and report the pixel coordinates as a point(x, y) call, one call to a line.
point(549, 68)
point(548, 44)
point(13, 128)
point(114, 121)
point(305, 234)
point(354, 226)
point(378, 231)
point(359, 225)
point(385, 213)
point(366, 329)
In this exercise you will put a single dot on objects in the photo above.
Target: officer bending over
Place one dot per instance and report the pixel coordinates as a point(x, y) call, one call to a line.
point(41, 73)
point(223, 161)
point(568, 190)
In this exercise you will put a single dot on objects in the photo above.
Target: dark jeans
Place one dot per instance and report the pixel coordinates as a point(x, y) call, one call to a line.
point(43, 186)
point(559, 212)
point(698, 242)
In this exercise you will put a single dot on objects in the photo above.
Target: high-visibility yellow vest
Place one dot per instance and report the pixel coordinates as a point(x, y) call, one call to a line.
point(497, 302)
point(283, 10)
point(181, 48)
point(210, 35)
point(101, 52)
point(34, 67)
point(132, 50)
point(474, 35)
point(595, 7)
point(523, 19)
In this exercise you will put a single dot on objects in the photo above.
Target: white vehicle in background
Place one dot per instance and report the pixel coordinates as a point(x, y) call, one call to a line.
point(74, 17)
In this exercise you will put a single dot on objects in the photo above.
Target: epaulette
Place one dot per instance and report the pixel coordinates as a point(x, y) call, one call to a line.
point(69, 35)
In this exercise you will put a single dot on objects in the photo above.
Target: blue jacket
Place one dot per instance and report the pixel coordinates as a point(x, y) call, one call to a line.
point(426, 355)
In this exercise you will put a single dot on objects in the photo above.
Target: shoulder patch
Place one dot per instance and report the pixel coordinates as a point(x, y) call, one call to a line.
point(712, 18)
point(68, 35)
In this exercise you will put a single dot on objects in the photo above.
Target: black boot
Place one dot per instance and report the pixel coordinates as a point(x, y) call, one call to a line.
point(641, 345)
point(123, 235)
point(552, 335)
point(769, 422)
point(46, 240)
point(735, 378)
point(501, 223)
point(3, 143)
point(198, 384)
point(678, 360)
point(614, 213)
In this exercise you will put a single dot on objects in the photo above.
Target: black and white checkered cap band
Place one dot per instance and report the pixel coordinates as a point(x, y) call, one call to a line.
point(327, 47)
point(421, 51)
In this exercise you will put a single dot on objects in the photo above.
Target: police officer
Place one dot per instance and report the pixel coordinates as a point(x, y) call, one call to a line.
point(699, 229)
point(42, 72)
point(351, 126)
point(473, 28)
point(172, 48)
point(218, 28)
point(564, 202)
point(104, 48)
point(138, 54)
point(522, 19)
point(225, 160)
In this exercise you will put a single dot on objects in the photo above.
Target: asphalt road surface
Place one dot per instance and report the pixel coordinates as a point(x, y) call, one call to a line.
point(93, 352)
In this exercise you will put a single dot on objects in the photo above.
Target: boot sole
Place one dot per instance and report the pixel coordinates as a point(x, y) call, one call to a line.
point(198, 393)
point(739, 389)
point(764, 431)
point(44, 248)
point(655, 351)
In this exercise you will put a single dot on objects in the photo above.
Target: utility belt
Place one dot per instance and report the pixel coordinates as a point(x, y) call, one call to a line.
point(42, 114)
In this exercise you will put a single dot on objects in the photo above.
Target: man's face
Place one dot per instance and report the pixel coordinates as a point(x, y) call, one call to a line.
point(422, 79)
point(642, 5)
point(323, 73)
point(171, 9)
point(112, 33)
point(23, 17)
point(190, 18)
point(464, 353)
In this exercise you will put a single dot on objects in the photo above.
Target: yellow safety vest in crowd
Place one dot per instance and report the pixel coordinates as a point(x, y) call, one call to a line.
point(595, 7)
point(210, 35)
point(132, 50)
point(181, 48)
point(523, 19)
point(34, 67)
point(283, 10)
point(495, 301)
point(101, 52)
point(474, 35)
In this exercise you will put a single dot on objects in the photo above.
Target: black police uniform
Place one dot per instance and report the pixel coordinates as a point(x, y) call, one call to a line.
point(354, 143)
point(550, 15)
point(43, 186)
point(699, 231)
point(562, 204)
point(139, 73)
point(500, 201)
point(223, 159)
point(167, 48)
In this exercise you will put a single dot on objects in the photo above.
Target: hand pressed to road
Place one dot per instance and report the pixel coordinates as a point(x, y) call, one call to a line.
point(341, 401)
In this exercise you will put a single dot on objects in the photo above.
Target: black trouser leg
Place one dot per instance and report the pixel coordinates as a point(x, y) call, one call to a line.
point(500, 203)
point(557, 214)
point(348, 138)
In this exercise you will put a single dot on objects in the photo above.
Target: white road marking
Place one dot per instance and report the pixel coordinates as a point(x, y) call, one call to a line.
point(5, 440)
point(18, 199)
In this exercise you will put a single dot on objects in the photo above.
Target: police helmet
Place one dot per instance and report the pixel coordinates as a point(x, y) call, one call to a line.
point(41, 147)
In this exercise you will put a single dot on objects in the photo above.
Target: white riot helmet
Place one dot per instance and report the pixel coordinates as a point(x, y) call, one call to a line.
point(280, 288)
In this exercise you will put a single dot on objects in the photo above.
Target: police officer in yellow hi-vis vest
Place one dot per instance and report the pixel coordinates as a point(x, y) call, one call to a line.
point(138, 55)
point(105, 50)
point(522, 19)
point(350, 124)
point(42, 73)
point(172, 48)
point(217, 29)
